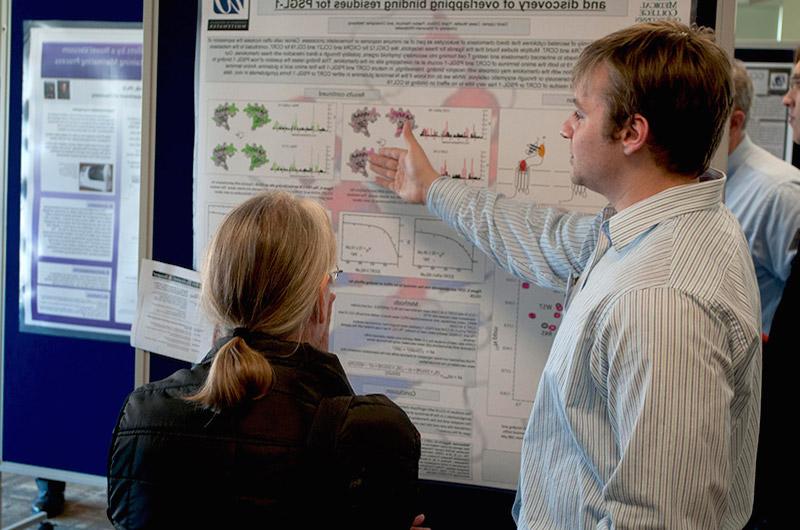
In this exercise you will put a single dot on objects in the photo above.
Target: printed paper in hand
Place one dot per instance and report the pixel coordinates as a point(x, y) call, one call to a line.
point(168, 317)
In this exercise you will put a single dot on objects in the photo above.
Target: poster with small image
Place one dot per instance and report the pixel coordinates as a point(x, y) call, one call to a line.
point(79, 238)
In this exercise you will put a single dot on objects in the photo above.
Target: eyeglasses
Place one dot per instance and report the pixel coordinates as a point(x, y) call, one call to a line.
point(334, 274)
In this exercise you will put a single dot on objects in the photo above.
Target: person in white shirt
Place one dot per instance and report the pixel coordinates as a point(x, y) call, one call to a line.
point(646, 415)
point(763, 192)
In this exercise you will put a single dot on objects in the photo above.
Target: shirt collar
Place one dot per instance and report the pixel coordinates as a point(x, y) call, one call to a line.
point(625, 226)
point(740, 154)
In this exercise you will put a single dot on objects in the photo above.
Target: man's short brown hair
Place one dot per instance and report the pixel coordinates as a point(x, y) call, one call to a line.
point(675, 76)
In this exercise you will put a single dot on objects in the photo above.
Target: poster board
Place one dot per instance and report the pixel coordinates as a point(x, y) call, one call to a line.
point(421, 315)
point(80, 175)
point(61, 395)
point(768, 127)
point(447, 504)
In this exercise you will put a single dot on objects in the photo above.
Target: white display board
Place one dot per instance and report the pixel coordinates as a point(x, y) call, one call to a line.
point(81, 149)
point(292, 95)
point(767, 125)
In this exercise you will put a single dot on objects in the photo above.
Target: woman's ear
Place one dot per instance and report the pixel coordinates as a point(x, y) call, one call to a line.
point(320, 321)
point(320, 314)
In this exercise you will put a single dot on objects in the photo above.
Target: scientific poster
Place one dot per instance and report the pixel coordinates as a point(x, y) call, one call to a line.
point(293, 95)
point(79, 226)
point(767, 125)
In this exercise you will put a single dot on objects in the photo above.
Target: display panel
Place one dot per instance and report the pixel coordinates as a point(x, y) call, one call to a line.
point(293, 95)
point(79, 229)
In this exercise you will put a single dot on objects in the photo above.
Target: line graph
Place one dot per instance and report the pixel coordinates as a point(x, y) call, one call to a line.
point(438, 246)
point(407, 246)
point(370, 239)
point(466, 168)
point(303, 118)
point(456, 125)
point(301, 160)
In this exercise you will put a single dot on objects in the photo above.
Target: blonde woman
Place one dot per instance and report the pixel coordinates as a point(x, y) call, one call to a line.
point(265, 432)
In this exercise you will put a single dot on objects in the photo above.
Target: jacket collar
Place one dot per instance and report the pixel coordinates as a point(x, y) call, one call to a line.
point(274, 349)
point(294, 357)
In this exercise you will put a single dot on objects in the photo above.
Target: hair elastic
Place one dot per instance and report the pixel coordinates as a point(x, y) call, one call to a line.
point(241, 332)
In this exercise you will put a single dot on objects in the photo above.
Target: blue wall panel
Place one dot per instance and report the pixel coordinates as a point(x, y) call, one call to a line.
point(174, 153)
point(61, 396)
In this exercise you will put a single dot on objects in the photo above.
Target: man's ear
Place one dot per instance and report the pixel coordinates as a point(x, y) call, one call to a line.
point(737, 120)
point(634, 134)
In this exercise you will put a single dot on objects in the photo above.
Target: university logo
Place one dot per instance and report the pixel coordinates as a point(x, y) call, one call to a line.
point(230, 7)
point(229, 15)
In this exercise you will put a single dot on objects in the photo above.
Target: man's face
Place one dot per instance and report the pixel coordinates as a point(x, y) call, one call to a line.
point(594, 155)
point(792, 102)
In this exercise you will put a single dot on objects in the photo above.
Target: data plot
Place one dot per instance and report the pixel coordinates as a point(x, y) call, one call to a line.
point(370, 239)
point(407, 246)
point(456, 139)
point(469, 168)
point(438, 246)
point(303, 118)
point(272, 138)
point(455, 125)
point(539, 313)
point(526, 320)
point(302, 160)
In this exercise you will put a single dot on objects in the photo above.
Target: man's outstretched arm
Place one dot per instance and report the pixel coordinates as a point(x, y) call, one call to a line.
point(542, 245)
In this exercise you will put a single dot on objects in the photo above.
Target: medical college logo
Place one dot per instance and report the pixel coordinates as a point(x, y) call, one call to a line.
point(229, 7)
point(227, 15)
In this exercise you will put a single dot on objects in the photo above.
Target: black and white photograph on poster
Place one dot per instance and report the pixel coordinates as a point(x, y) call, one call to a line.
point(96, 177)
point(63, 89)
point(49, 90)
point(778, 82)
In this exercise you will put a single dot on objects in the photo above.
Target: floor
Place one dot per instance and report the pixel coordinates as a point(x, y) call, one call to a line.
point(85, 508)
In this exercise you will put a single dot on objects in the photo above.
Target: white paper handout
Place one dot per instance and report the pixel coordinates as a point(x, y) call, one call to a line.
point(168, 317)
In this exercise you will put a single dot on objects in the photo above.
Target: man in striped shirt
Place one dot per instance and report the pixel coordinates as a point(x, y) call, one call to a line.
point(646, 415)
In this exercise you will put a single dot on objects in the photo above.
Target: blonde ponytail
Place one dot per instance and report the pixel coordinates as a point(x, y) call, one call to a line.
point(237, 373)
point(262, 273)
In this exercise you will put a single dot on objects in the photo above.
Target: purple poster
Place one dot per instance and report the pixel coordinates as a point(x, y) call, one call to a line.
point(81, 172)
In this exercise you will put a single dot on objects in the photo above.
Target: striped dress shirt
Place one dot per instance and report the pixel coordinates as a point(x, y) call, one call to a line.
point(646, 415)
